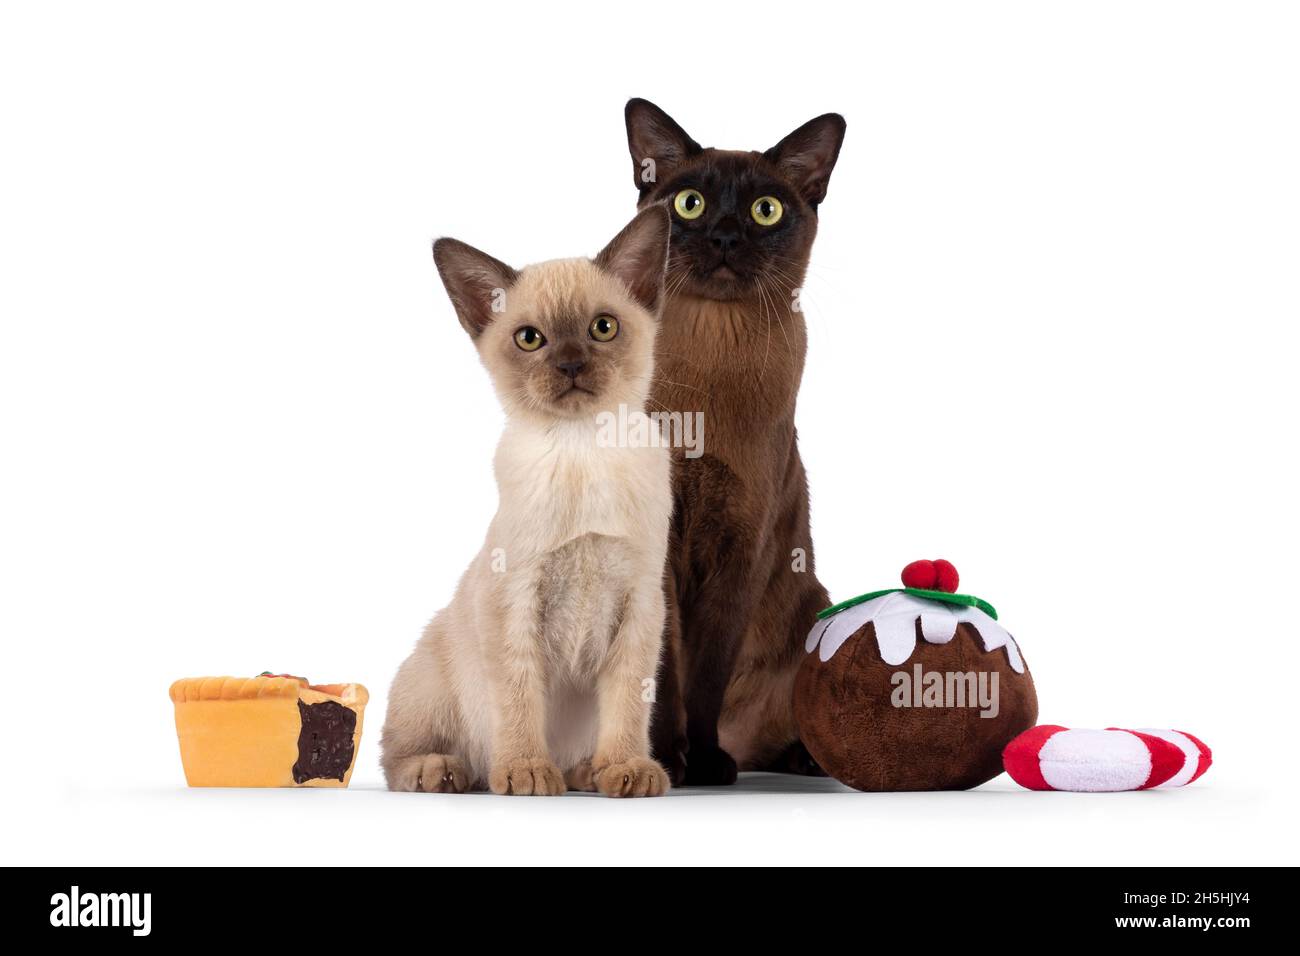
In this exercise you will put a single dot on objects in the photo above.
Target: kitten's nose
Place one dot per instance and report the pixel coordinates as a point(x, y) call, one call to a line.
point(571, 367)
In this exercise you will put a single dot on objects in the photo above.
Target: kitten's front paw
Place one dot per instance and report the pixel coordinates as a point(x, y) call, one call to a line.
point(529, 777)
point(709, 767)
point(429, 773)
point(637, 777)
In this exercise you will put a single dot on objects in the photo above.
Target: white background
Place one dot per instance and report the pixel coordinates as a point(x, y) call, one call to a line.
point(1052, 309)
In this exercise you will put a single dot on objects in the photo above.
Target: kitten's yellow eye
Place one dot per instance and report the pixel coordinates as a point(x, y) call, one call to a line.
point(529, 339)
point(766, 210)
point(689, 204)
point(604, 328)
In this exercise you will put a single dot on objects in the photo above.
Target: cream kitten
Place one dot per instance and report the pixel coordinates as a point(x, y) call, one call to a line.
point(539, 675)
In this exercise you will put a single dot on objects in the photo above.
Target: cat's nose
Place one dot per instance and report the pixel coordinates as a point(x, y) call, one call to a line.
point(725, 234)
point(571, 367)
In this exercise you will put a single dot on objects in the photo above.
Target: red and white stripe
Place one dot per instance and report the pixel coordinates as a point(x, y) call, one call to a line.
point(1050, 757)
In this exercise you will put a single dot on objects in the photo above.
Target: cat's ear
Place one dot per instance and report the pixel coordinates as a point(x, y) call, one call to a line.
point(807, 156)
point(639, 255)
point(475, 281)
point(656, 142)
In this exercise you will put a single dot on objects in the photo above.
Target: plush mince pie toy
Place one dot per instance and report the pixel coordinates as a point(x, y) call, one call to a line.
point(272, 730)
point(913, 688)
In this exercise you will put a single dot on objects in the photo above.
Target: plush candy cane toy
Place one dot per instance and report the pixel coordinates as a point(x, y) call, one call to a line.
point(1049, 757)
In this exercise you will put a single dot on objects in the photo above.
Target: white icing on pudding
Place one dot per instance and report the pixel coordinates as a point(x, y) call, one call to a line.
point(894, 618)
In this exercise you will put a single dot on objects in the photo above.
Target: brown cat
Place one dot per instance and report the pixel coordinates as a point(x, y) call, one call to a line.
point(742, 591)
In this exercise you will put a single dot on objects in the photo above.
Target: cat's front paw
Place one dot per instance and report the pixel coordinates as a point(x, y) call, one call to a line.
point(709, 767)
point(527, 777)
point(635, 777)
point(670, 751)
point(674, 762)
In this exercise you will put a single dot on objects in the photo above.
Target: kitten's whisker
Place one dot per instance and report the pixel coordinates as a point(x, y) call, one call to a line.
point(668, 381)
point(661, 406)
point(677, 355)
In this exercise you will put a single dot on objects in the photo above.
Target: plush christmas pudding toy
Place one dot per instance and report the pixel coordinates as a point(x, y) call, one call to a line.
point(913, 688)
point(272, 730)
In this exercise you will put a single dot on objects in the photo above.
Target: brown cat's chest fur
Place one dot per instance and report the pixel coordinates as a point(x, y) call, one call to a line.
point(738, 362)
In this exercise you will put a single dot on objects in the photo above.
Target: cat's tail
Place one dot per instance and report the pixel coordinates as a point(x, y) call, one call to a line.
point(797, 760)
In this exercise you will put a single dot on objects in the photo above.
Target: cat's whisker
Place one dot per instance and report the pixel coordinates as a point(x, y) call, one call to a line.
point(784, 275)
point(777, 312)
point(677, 279)
point(767, 349)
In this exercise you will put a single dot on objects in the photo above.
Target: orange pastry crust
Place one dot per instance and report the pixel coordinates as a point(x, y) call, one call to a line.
point(267, 731)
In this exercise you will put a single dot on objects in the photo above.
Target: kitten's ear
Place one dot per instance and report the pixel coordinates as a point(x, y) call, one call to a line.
point(653, 135)
point(475, 281)
point(807, 156)
point(639, 255)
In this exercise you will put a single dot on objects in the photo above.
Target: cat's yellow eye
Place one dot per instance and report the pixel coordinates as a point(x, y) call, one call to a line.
point(529, 339)
point(604, 328)
point(689, 204)
point(766, 210)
